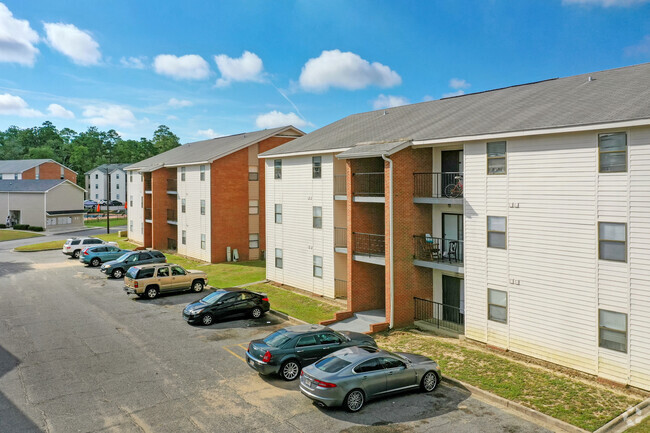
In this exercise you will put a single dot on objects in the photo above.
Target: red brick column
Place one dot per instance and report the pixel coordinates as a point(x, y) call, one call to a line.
point(160, 202)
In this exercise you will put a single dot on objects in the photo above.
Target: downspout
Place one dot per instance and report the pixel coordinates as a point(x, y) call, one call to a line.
point(392, 273)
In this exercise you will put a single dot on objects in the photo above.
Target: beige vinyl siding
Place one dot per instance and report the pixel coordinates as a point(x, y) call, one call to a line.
point(30, 205)
point(298, 193)
point(135, 213)
point(193, 190)
point(65, 196)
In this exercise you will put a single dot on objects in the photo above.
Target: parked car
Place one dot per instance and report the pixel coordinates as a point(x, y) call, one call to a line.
point(73, 246)
point(89, 204)
point(96, 255)
point(354, 375)
point(150, 280)
point(226, 303)
point(118, 267)
point(288, 350)
point(116, 203)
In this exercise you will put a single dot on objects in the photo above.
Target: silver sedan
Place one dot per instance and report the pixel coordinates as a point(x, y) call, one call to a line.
point(352, 376)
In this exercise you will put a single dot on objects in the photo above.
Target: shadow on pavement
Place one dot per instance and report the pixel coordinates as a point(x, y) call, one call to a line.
point(12, 419)
point(12, 268)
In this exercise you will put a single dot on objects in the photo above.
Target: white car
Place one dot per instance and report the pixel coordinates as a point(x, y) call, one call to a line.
point(74, 246)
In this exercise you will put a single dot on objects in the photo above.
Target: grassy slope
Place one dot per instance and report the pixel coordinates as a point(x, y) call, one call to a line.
point(10, 235)
point(101, 222)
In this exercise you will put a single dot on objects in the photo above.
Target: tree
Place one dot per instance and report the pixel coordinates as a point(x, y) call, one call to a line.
point(164, 139)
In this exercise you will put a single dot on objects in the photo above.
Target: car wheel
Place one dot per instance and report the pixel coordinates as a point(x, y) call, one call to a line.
point(95, 262)
point(117, 273)
point(256, 313)
point(151, 292)
point(354, 400)
point(197, 286)
point(429, 381)
point(76, 253)
point(290, 370)
point(207, 319)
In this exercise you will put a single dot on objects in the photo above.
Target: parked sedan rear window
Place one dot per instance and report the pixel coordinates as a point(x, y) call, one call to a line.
point(332, 364)
point(278, 338)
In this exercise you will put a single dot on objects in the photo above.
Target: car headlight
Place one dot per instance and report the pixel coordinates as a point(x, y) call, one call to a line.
point(106, 266)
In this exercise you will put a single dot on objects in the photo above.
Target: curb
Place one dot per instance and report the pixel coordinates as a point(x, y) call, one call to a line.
point(34, 251)
point(533, 415)
point(622, 422)
point(287, 317)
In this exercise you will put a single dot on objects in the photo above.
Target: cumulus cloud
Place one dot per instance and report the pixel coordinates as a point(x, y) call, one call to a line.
point(345, 70)
point(179, 103)
point(74, 43)
point(427, 98)
point(134, 62)
point(208, 133)
point(248, 67)
point(274, 119)
point(109, 115)
point(17, 39)
point(458, 83)
point(188, 67)
point(605, 3)
point(56, 110)
point(452, 94)
point(11, 105)
point(641, 49)
point(388, 101)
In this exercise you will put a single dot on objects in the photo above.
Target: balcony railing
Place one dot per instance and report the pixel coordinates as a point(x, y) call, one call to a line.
point(439, 315)
point(340, 237)
point(172, 185)
point(369, 244)
point(147, 184)
point(172, 215)
point(147, 213)
point(340, 184)
point(340, 288)
point(432, 249)
point(438, 185)
point(368, 184)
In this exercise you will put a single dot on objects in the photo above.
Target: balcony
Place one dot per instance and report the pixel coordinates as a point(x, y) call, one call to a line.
point(438, 253)
point(147, 214)
point(369, 248)
point(368, 187)
point(172, 187)
point(147, 186)
point(341, 240)
point(439, 315)
point(172, 216)
point(340, 187)
point(438, 188)
point(340, 288)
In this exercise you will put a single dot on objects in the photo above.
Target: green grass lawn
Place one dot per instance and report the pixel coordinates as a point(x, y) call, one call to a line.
point(43, 246)
point(10, 235)
point(643, 427)
point(296, 305)
point(578, 402)
point(101, 222)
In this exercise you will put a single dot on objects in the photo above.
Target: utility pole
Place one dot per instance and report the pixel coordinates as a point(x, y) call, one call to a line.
point(108, 201)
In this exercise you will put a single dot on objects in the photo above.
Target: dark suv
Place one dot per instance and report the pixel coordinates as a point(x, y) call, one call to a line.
point(118, 267)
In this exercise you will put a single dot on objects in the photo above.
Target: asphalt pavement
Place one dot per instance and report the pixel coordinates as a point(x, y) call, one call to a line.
point(79, 355)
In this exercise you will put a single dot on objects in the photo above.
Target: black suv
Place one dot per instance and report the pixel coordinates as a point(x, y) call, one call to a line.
point(118, 267)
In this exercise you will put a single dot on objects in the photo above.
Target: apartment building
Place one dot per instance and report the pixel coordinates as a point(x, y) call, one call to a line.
point(204, 197)
point(517, 217)
point(107, 177)
point(15, 169)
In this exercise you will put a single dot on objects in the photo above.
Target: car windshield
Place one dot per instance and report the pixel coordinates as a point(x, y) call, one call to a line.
point(214, 297)
point(332, 364)
point(132, 272)
point(122, 257)
point(278, 338)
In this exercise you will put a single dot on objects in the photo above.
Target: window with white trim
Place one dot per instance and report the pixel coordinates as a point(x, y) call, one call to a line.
point(253, 241)
point(612, 330)
point(253, 207)
point(318, 267)
point(278, 214)
point(496, 232)
point(498, 305)
point(612, 241)
point(202, 241)
point(202, 170)
point(277, 166)
point(278, 258)
point(318, 217)
point(496, 157)
point(202, 207)
point(183, 237)
point(612, 152)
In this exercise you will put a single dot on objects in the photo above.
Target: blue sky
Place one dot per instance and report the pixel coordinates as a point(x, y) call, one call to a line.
point(225, 67)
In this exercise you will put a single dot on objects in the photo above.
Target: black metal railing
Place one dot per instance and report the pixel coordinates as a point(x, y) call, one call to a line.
point(368, 184)
point(438, 185)
point(369, 244)
point(439, 315)
point(340, 184)
point(147, 184)
point(433, 249)
point(340, 288)
point(147, 213)
point(340, 237)
point(172, 185)
point(172, 215)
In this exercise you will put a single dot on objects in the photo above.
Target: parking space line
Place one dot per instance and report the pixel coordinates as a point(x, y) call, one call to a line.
point(243, 346)
point(234, 354)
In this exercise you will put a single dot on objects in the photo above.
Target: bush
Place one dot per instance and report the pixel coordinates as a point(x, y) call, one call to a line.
point(21, 226)
point(35, 228)
point(3, 226)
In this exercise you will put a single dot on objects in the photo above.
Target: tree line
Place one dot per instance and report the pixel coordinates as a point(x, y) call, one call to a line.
point(82, 151)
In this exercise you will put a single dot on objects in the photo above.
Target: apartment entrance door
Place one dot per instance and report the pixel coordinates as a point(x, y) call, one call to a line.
point(451, 163)
point(453, 299)
point(452, 230)
point(15, 216)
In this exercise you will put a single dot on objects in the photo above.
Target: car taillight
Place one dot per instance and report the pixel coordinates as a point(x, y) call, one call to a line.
point(265, 299)
point(266, 357)
point(302, 372)
point(86, 253)
point(135, 284)
point(249, 348)
point(324, 384)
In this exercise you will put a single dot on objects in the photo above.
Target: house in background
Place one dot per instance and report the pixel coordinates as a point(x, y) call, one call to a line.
point(103, 177)
point(54, 204)
point(519, 217)
point(35, 169)
point(203, 197)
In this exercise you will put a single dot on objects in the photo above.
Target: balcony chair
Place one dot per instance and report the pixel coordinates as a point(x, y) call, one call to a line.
point(431, 247)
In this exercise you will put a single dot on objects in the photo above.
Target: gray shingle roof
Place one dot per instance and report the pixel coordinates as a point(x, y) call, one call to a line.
point(20, 165)
point(29, 185)
point(111, 167)
point(613, 95)
point(208, 150)
point(370, 150)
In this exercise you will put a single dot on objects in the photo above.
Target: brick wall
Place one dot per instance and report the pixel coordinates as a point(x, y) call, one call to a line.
point(160, 202)
point(50, 170)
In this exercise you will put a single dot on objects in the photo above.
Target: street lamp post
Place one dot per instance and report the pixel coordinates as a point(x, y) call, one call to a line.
point(108, 201)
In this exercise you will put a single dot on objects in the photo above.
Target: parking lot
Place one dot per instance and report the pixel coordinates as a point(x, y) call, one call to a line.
point(77, 354)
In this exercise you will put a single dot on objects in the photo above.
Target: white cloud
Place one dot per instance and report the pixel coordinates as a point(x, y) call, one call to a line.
point(388, 101)
point(11, 105)
point(134, 62)
point(17, 39)
point(640, 49)
point(56, 110)
point(248, 67)
point(345, 70)
point(605, 3)
point(109, 115)
point(274, 119)
point(172, 117)
point(188, 67)
point(208, 133)
point(77, 44)
point(452, 94)
point(427, 98)
point(458, 83)
point(179, 103)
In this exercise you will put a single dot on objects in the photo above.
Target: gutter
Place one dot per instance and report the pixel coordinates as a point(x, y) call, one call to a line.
point(392, 274)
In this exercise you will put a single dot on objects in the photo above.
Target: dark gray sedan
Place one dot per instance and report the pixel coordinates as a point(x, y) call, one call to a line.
point(287, 350)
point(352, 376)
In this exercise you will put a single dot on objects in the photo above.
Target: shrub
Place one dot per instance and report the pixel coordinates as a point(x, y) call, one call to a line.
point(3, 226)
point(35, 228)
point(21, 226)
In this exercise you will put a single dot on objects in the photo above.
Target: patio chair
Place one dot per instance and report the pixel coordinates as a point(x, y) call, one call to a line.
point(432, 247)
